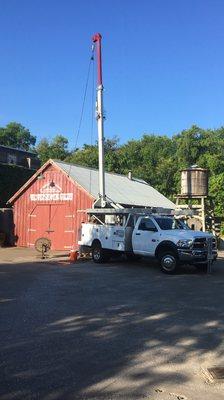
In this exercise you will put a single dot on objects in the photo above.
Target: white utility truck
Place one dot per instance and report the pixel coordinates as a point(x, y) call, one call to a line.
point(137, 232)
point(141, 232)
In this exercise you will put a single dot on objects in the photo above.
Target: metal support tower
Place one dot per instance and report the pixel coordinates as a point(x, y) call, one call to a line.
point(198, 209)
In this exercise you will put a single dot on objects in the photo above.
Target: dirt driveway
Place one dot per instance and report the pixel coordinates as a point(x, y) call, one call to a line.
point(23, 254)
point(112, 331)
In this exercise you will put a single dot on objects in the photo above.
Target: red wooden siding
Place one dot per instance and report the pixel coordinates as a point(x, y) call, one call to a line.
point(58, 219)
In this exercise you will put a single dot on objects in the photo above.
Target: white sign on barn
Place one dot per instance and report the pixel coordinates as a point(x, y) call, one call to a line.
point(49, 192)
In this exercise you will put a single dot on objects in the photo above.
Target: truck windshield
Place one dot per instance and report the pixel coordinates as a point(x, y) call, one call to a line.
point(170, 223)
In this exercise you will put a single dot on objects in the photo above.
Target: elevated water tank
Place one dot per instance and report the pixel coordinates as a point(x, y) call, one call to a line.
point(194, 181)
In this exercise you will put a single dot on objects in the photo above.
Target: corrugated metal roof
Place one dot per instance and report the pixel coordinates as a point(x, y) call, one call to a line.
point(119, 188)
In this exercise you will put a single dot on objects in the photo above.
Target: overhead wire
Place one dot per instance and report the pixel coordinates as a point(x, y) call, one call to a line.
point(84, 96)
point(81, 116)
point(83, 101)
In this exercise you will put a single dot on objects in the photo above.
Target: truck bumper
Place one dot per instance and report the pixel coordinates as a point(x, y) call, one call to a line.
point(195, 256)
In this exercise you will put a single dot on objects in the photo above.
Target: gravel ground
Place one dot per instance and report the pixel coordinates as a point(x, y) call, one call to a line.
point(112, 331)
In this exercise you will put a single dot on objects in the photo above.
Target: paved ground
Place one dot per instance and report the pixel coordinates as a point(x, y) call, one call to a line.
point(116, 331)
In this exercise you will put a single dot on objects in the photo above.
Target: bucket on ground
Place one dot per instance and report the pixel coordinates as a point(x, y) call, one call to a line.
point(73, 255)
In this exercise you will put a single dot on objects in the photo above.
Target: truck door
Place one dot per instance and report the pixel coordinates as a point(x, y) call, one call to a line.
point(145, 237)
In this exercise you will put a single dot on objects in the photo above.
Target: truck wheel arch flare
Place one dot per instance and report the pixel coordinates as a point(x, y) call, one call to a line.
point(166, 245)
point(95, 242)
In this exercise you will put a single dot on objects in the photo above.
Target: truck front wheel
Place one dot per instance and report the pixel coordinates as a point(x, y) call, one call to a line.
point(168, 261)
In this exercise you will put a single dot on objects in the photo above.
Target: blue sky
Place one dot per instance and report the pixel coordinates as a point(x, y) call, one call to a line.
point(162, 65)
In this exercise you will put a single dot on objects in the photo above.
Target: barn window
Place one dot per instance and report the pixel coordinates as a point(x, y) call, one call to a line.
point(11, 158)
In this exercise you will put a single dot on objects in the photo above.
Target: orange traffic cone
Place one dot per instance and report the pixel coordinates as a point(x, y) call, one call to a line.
point(73, 256)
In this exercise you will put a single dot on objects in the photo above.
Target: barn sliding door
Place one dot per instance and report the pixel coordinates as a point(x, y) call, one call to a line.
point(61, 225)
point(38, 223)
point(53, 221)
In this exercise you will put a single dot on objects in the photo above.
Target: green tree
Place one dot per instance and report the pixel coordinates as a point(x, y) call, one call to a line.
point(43, 150)
point(59, 147)
point(189, 145)
point(56, 149)
point(88, 155)
point(155, 159)
point(151, 158)
point(17, 136)
point(204, 147)
point(200, 146)
point(216, 190)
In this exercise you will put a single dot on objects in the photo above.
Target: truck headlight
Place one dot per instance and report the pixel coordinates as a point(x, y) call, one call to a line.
point(184, 243)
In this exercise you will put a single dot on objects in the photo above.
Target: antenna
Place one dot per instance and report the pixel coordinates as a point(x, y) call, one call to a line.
point(100, 121)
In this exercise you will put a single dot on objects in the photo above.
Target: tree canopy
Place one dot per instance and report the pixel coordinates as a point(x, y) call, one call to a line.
point(57, 148)
point(157, 159)
point(16, 135)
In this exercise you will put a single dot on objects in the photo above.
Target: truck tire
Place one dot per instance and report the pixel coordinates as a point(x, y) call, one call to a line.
point(99, 255)
point(168, 261)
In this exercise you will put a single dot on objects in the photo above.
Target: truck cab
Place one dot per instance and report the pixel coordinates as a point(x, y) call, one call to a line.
point(171, 241)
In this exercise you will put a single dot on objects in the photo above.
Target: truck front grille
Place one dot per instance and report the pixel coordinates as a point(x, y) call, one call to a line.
point(201, 243)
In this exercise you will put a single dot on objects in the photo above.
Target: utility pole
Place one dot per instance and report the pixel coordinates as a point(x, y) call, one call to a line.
point(100, 120)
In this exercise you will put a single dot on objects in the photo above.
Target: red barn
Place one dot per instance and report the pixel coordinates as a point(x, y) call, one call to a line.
point(52, 202)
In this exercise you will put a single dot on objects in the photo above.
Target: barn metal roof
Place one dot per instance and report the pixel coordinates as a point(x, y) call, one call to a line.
point(119, 188)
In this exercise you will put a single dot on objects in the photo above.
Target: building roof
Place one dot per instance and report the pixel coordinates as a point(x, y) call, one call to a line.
point(119, 188)
point(19, 150)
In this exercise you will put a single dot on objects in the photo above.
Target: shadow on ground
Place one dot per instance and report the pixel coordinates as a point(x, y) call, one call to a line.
point(85, 331)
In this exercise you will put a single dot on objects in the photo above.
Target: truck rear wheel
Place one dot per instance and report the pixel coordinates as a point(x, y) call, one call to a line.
point(168, 261)
point(99, 255)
